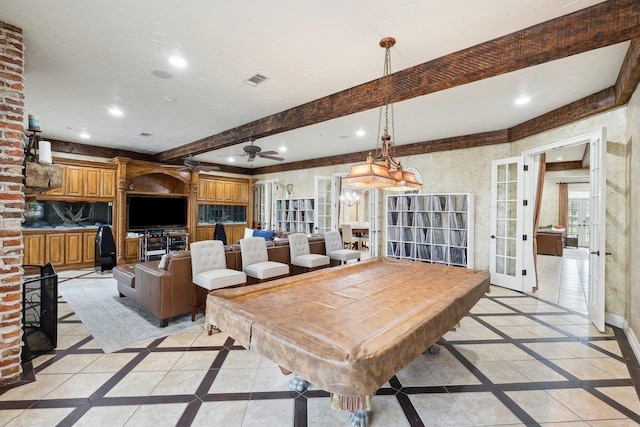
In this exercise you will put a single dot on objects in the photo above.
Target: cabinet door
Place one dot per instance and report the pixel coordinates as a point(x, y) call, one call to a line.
point(55, 246)
point(211, 190)
point(73, 248)
point(73, 183)
point(131, 247)
point(220, 194)
point(60, 191)
point(34, 245)
point(89, 246)
point(108, 183)
point(202, 189)
point(234, 233)
point(229, 191)
point(241, 192)
point(92, 182)
point(204, 233)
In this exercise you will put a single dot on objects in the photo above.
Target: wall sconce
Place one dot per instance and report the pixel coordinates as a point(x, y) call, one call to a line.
point(349, 198)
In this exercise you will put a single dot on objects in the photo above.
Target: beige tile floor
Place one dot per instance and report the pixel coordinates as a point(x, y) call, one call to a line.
point(515, 360)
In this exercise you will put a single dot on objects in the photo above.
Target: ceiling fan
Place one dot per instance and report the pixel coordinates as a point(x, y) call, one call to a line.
point(253, 150)
point(192, 164)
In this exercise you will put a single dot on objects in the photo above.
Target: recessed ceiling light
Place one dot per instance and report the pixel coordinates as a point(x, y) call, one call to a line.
point(361, 133)
point(558, 158)
point(115, 111)
point(84, 135)
point(178, 61)
point(231, 159)
point(169, 99)
point(282, 148)
point(522, 100)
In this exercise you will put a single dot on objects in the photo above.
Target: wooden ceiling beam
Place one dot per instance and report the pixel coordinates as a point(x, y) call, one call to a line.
point(629, 75)
point(445, 144)
point(564, 166)
point(601, 25)
point(588, 106)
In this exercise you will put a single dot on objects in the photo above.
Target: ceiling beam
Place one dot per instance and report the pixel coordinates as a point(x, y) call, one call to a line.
point(588, 106)
point(564, 166)
point(601, 25)
point(629, 74)
point(95, 151)
point(445, 144)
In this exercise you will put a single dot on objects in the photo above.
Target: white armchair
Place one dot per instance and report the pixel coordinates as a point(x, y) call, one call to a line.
point(301, 255)
point(255, 260)
point(209, 270)
point(334, 248)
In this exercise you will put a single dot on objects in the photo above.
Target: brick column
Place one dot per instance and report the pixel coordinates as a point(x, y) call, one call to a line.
point(11, 201)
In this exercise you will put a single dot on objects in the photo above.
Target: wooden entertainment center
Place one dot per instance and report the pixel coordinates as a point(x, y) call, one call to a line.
point(110, 182)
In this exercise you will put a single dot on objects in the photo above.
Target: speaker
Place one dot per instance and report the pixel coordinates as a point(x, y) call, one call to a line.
point(105, 249)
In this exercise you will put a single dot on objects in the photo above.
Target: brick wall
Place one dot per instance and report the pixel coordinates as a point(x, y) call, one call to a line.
point(11, 201)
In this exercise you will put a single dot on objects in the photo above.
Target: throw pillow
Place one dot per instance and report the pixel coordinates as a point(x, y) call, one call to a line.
point(163, 262)
point(267, 234)
point(248, 232)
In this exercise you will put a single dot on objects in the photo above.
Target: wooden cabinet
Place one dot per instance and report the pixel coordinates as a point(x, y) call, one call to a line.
point(222, 191)
point(89, 247)
point(204, 233)
point(68, 249)
point(54, 251)
point(234, 233)
point(73, 249)
point(131, 249)
point(85, 182)
point(34, 249)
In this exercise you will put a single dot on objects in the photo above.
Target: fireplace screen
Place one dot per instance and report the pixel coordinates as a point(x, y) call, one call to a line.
point(39, 312)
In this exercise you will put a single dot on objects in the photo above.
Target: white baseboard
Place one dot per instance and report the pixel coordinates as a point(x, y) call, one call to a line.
point(633, 340)
point(614, 320)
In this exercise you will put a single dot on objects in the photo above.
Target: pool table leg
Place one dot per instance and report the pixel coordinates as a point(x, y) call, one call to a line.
point(360, 419)
point(298, 384)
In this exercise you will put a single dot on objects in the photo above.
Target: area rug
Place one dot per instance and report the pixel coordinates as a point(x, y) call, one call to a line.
point(117, 322)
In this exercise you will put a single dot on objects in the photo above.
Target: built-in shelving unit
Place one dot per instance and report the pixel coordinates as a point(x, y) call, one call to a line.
point(435, 228)
point(155, 243)
point(295, 215)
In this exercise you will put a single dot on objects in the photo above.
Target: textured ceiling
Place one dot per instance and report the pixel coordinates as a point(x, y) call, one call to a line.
point(82, 58)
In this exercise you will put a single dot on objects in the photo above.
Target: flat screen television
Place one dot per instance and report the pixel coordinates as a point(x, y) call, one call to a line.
point(144, 211)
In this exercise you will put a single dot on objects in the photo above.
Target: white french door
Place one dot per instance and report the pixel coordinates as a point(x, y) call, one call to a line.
point(374, 221)
point(506, 228)
point(597, 221)
point(578, 222)
point(324, 203)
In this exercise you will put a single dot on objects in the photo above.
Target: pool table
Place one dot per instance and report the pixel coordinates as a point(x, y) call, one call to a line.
point(349, 329)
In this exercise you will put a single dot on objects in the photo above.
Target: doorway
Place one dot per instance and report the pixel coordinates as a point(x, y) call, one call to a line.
point(578, 219)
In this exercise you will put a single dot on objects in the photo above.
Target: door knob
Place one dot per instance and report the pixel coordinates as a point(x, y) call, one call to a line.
point(492, 236)
point(595, 253)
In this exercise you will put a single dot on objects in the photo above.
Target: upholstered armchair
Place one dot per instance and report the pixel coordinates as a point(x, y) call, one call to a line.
point(301, 255)
point(335, 248)
point(209, 270)
point(255, 260)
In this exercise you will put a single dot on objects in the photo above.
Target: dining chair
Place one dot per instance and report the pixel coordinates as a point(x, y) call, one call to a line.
point(349, 240)
point(209, 271)
point(334, 248)
point(255, 260)
point(301, 255)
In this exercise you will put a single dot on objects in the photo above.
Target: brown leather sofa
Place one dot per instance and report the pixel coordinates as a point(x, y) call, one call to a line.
point(167, 292)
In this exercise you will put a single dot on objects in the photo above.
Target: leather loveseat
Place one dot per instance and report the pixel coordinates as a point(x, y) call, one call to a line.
point(166, 291)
